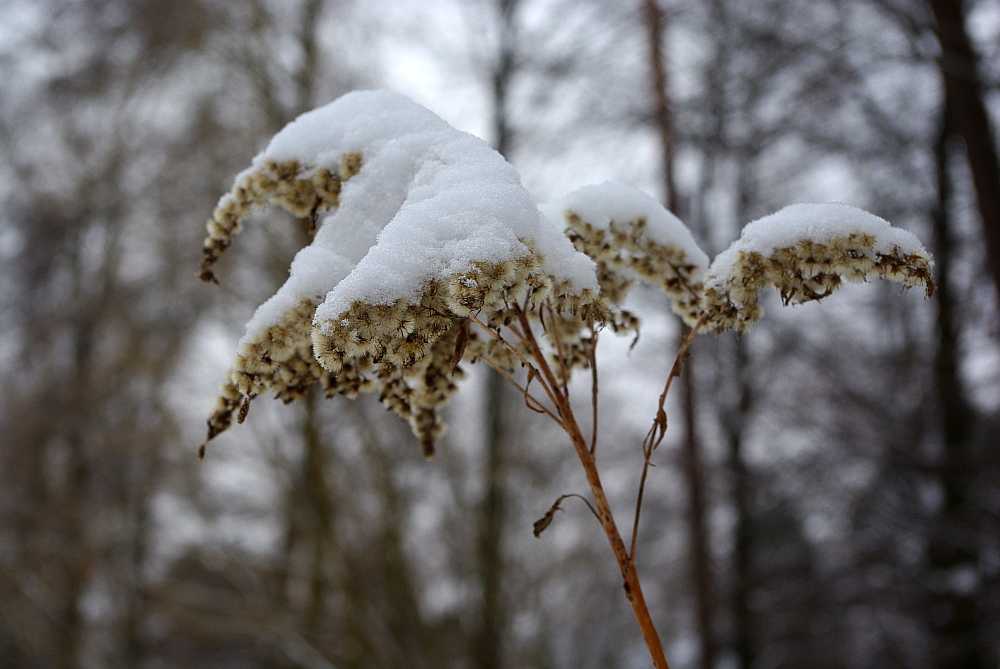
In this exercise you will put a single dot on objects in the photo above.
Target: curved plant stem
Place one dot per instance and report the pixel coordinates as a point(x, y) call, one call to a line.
point(626, 565)
point(658, 430)
point(520, 356)
point(592, 356)
point(530, 400)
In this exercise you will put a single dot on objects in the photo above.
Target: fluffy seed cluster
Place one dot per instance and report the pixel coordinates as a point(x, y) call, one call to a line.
point(299, 189)
point(407, 352)
point(808, 270)
point(414, 348)
point(442, 239)
point(623, 251)
point(279, 360)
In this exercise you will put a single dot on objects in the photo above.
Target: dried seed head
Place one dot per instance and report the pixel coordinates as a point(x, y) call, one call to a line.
point(624, 252)
point(805, 271)
point(301, 190)
point(277, 359)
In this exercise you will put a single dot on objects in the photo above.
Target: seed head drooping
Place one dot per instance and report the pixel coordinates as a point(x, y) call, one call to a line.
point(303, 191)
point(631, 236)
point(807, 251)
point(421, 227)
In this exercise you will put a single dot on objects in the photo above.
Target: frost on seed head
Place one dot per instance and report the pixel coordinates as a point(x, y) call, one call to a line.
point(807, 251)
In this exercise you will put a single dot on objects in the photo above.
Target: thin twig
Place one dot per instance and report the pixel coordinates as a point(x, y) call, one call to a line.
point(496, 335)
point(541, 408)
point(657, 431)
point(592, 354)
point(675, 371)
point(557, 338)
point(520, 356)
point(536, 351)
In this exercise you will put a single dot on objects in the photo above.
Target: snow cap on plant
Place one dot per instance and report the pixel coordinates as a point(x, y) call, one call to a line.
point(420, 226)
point(423, 229)
point(632, 236)
point(807, 251)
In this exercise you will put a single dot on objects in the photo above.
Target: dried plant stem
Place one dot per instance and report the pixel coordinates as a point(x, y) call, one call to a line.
point(520, 356)
point(633, 590)
point(592, 356)
point(530, 400)
point(658, 430)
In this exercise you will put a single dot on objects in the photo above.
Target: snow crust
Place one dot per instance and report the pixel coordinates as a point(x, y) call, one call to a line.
point(428, 201)
point(602, 204)
point(817, 222)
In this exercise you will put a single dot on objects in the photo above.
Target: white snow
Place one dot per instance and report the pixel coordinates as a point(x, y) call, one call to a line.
point(428, 201)
point(819, 223)
point(602, 204)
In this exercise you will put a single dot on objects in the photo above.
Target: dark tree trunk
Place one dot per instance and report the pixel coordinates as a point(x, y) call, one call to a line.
point(968, 117)
point(691, 443)
point(492, 508)
point(954, 617)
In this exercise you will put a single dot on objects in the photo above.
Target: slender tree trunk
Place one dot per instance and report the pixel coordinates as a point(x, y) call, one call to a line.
point(319, 511)
point(75, 555)
point(492, 508)
point(492, 512)
point(735, 422)
point(967, 115)
point(955, 618)
point(663, 117)
point(690, 447)
point(305, 77)
point(742, 568)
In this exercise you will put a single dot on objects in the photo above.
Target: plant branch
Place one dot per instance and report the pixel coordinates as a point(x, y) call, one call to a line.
point(528, 397)
point(550, 391)
point(657, 431)
point(633, 589)
point(557, 338)
point(592, 356)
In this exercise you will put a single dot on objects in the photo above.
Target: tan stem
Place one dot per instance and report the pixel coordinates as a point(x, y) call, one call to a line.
point(633, 590)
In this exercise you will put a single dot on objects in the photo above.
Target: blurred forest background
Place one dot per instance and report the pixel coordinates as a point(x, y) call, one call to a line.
point(829, 492)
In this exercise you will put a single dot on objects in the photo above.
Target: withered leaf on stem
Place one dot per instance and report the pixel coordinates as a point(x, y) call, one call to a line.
point(546, 520)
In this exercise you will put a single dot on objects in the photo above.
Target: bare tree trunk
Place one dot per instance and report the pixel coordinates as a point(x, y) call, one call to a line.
point(305, 78)
point(491, 514)
point(690, 448)
point(663, 117)
point(967, 115)
point(492, 509)
point(734, 424)
point(955, 617)
point(320, 517)
point(74, 552)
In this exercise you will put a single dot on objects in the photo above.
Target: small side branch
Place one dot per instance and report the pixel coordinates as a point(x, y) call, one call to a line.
point(658, 430)
point(530, 400)
point(542, 523)
point(550, 389)
point(592, 356)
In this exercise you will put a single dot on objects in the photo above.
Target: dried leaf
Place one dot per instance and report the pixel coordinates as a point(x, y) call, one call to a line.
point(546, 520)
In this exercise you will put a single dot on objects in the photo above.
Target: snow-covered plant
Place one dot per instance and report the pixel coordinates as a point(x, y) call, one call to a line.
point(428, 252)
